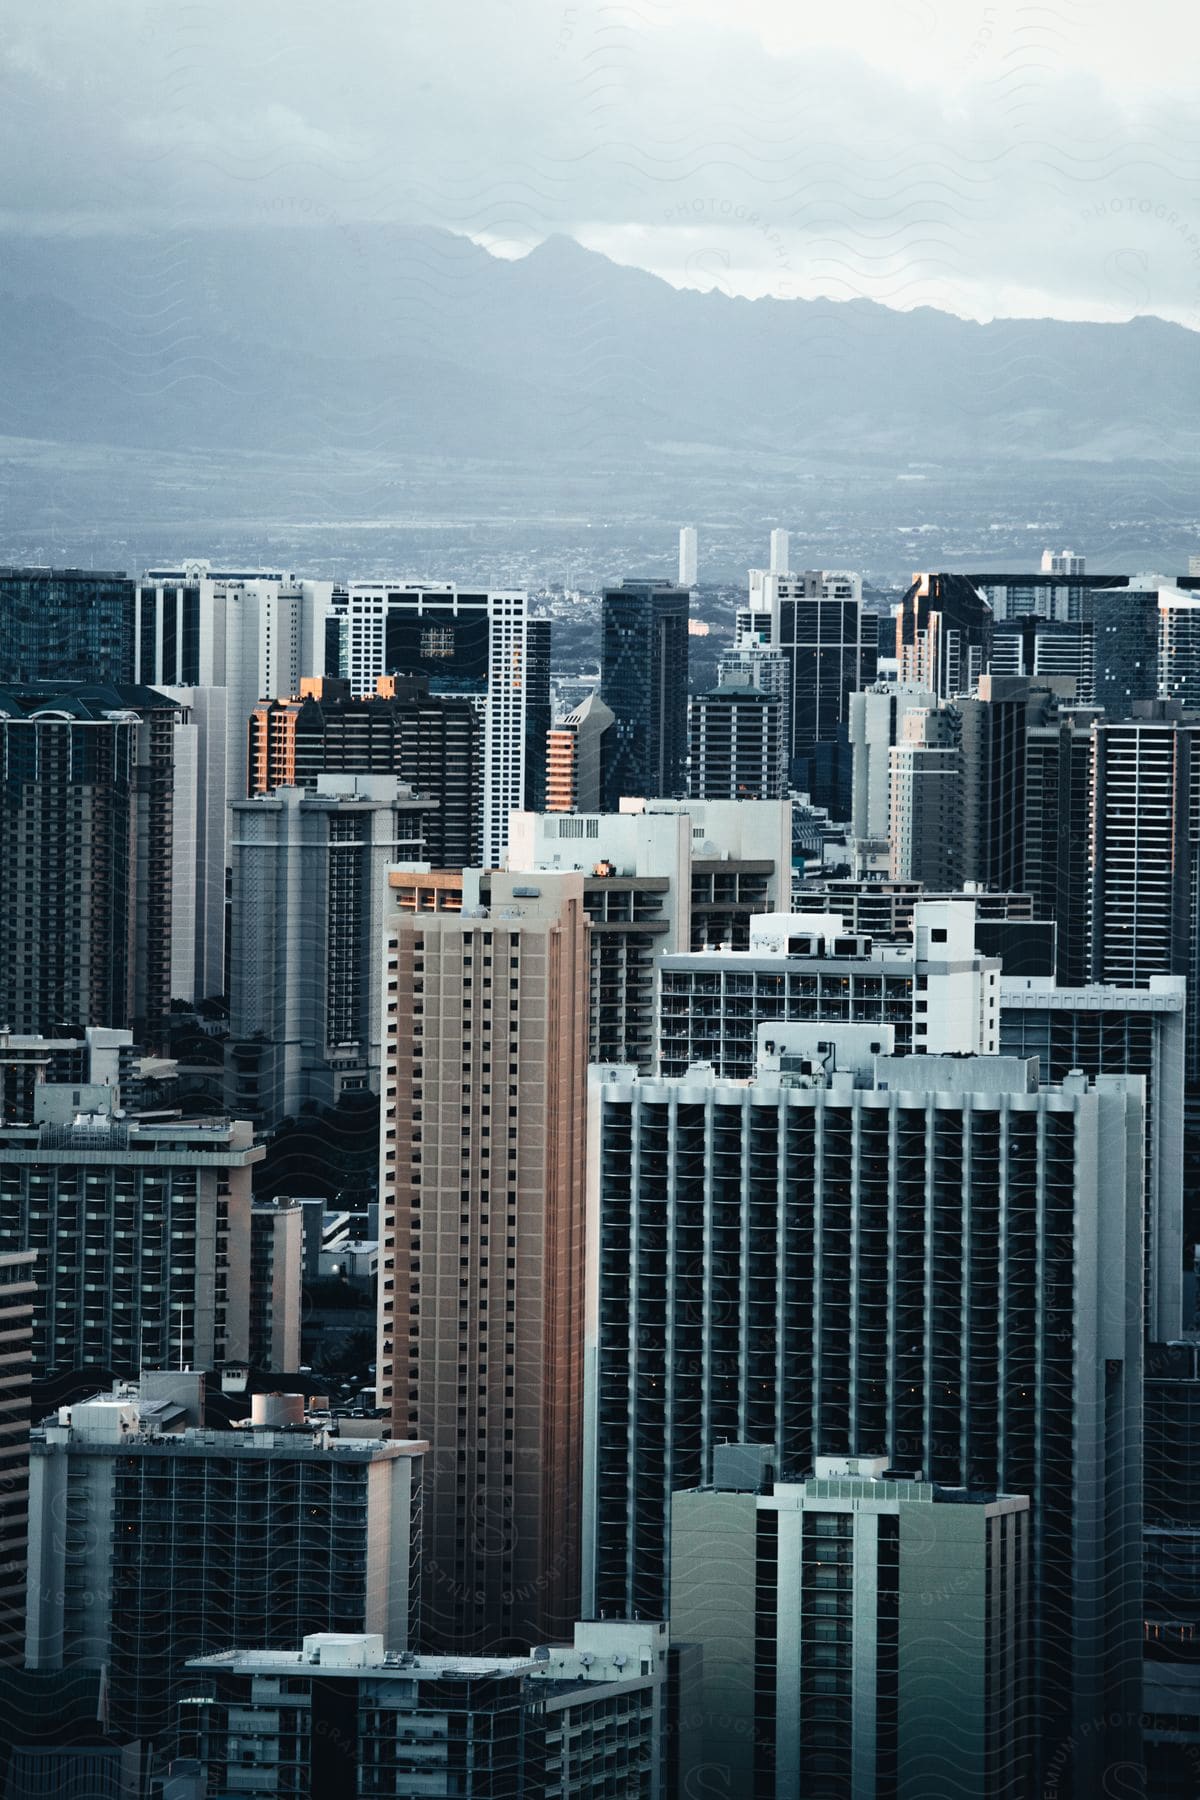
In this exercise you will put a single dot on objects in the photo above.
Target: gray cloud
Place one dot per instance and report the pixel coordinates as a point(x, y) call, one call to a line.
point(987, 159)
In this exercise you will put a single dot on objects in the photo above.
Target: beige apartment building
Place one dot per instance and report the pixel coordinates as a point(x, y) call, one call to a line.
point(482, 1228)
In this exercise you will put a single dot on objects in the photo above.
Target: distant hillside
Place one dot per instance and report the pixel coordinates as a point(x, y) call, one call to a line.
point(377, 341)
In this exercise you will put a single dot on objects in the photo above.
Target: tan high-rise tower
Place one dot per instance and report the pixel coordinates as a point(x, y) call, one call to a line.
point(482, 1222)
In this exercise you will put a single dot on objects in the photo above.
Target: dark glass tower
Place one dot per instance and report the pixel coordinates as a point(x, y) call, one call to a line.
point(538, 714)
point(66, 625)
point(644, 679)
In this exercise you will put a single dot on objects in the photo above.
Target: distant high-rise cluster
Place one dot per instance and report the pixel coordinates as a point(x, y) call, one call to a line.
point(618, 1230)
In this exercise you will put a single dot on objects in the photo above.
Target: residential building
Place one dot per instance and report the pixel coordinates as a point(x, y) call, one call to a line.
point(1145, 820)
point(884, 909)
point(581, 1721)
point(874, 719)
point(741, 862)
point(1121, 1031)
point(431, 742)
point(737, 742)
point(644, 681)
point(937, 994)
point(481, 1226)
point(467, 644)
point(576, 751)
point(18, 1285)
point(926, 798)
point(687, 556)
point(1179, 646)
point(61, 625)
point(860, 1633)
point(85, 858)
point(928, 1259)
point(306, 945)
point(276, 1283)
point(656, 880)
point(153, 1540)
point(142, 1228)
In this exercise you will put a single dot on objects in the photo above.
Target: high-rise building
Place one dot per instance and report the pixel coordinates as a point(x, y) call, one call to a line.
point(18, 1284)
point(276, 1283)
point(1145, 825)
point(667, 876)
point(430, 741)
point(815, 620)
point(583, 1720)
point(85, 858)
point(142, 1227)
point(538, 713)
point(860, 1633)
point(470, 644)
point(875, 716)
point(153, 1539)
point(926, 798)
point(1120, 1031)
point(935, 1261)
point(688, 556)
point(1171, 1684)
point(1062, 562)
point(481, 1226)
point(576, 751)
point(198, 842)
point(1179, 646)
point(943, 635)
point(737, 741)
point(780, 561)
point(61, 625)
point(306, 946)
point(644, 658)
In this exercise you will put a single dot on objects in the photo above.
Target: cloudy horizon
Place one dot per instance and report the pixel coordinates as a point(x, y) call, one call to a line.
point(899, 152)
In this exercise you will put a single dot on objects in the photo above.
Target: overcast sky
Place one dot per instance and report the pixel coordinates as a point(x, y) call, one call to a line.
point(989, 159)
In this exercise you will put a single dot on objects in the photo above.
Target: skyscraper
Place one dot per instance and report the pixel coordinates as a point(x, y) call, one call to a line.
point(467, 643)
point(85, 858)
point(18, 1278)
point(481, 1222)
point(937, 1262)
point(1062, 562)
point(644, 682)
point(687, 556)
point(65, 625)
point(308, 895)
point(926, 798)
point(538, 713)
point(815, 620)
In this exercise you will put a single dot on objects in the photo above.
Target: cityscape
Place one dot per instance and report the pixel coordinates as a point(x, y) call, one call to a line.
point(599, 902)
